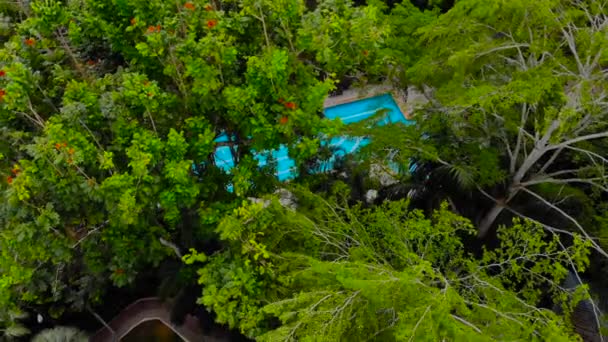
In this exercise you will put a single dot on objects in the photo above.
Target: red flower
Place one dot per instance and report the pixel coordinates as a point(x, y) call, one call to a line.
point(9, 179)
point(189, 6)
point(208, 7)
point(30, 42)
point(283, 120)
point(291, 105)
point(2, 93)
point(211, 23)
point(365, 53)
point(2, 73)
point(133, 21)
point(64, 144)
point(151, 29)
point(157, 28)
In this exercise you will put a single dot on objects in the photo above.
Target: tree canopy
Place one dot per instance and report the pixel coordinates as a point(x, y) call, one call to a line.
point(111, 113)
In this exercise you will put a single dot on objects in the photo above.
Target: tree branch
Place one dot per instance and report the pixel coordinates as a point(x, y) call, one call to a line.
point(579, 139)
point(467, 323)
point(570, 218)
point(172, 246)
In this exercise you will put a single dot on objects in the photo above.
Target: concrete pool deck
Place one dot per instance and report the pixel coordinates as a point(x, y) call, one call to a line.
point(356, 94)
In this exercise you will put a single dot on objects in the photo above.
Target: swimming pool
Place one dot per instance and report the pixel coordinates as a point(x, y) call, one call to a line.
point(349, 113)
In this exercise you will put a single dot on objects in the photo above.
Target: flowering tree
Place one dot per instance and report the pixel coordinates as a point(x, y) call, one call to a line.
point(110, 113)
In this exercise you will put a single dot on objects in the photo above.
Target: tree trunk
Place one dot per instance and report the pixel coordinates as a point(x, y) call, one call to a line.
point(540, 148)
point(488, 220)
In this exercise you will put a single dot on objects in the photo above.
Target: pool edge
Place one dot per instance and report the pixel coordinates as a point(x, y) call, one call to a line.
point(357, 94)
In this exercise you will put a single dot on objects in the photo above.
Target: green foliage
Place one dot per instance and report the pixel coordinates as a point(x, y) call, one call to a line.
point(347, 39)
point(109, 113)
point(63, 334)
point(348, 273)
point(11, 327)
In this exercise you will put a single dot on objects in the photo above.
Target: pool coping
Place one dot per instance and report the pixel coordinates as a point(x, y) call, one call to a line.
point(356, 94)
point(148, 309)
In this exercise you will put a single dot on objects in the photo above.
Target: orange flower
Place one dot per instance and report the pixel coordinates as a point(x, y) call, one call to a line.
point(133, 21)
point(2, 93)
point(15, 171)
point(64, 144)
point(291, 105)
point(90, 62)
point(211, 23)
point(283, 120)
point(157, 28)
point(151, 29)
point(2, 73)
point(30, 42)
point(189, 6)
point(208, 7)
point(58, 146)
point(71, 151)
point(9, 179)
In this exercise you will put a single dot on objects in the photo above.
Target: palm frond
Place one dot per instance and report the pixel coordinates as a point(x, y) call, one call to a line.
point(463, 175)
point(61, 334)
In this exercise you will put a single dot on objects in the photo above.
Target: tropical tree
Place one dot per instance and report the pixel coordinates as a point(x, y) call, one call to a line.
point(348, 42)
point(518, 103)
point(516, 120)
point(332, 272)
point(110, 115)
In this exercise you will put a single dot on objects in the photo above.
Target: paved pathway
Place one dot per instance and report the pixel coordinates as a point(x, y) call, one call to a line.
point(147, 309)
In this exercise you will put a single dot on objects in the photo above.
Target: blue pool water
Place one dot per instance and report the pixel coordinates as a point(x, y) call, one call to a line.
point(349, 113)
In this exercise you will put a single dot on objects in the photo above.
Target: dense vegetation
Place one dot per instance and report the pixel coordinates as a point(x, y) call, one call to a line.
point(110, 112)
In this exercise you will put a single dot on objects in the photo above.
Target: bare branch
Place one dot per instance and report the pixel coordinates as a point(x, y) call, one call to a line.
point(91, 232)
point(570, 218)
point(520, 132)
point(579, 139)
point(467, 323)
point(428, 308)
point(567, 181)
point(502, 47)
point(551, 160)
point(172, 246)
point(590, 154)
